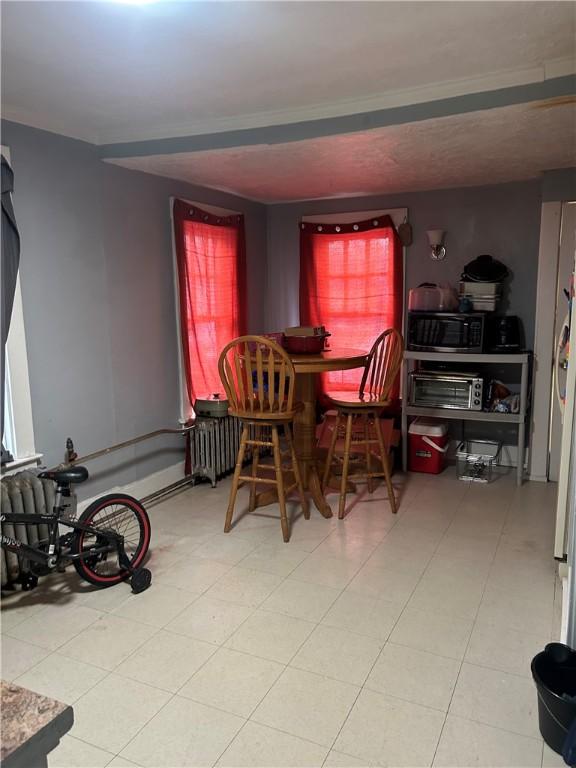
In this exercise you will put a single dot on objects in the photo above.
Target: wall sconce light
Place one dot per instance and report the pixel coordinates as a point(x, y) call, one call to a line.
point(436, 240)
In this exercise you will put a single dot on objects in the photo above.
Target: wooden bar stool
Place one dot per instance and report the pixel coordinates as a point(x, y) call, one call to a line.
point(259, 377)
point(360, 413)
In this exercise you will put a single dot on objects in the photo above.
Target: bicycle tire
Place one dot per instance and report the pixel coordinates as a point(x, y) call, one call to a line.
point(123, 514)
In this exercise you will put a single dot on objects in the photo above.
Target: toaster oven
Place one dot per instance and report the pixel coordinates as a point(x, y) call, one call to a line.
point(446, 390)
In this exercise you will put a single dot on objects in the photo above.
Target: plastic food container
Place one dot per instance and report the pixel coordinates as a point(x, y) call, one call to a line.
point(432, 298)
point(476, 460)
point(484, 296)
point(427, 446)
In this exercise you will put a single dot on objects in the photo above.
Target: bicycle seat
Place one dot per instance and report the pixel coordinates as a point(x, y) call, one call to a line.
point(66, 475)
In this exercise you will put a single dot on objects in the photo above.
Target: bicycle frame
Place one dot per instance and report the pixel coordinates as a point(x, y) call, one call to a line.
point(53, 553)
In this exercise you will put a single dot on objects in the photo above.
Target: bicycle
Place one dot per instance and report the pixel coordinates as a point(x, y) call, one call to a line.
point(107, 544)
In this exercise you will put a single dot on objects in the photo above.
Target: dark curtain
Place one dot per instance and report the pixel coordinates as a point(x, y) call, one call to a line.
point(10, 261)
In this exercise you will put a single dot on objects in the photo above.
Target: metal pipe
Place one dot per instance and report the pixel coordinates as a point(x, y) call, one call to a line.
point(105, 451)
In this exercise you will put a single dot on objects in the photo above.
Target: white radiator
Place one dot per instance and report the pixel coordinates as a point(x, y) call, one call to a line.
point(23, 493)
point(214, 446)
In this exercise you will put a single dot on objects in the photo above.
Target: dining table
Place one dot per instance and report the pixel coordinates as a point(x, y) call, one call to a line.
point(308, 367)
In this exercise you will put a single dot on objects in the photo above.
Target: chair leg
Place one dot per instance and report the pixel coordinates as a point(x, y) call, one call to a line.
point(370, 481)
point(385, 464)
point(235, 480)
point(346, 459)
point(297, 475)
point(255, 460)
point(280, 484)
point(330, 457)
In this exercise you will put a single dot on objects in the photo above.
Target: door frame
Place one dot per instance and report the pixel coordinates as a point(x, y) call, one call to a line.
point(544, 343)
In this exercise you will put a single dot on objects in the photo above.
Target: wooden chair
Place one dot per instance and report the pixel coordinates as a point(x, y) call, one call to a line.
point(378, 380)
point(259, 378)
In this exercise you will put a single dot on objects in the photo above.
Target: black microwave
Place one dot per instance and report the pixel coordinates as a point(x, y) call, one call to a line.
point(446, 331)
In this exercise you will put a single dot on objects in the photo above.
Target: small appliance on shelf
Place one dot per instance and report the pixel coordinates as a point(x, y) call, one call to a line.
point(446, 331)
point(446, 389)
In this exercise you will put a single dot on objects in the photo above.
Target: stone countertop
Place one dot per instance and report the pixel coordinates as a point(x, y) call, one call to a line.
point(28, 718)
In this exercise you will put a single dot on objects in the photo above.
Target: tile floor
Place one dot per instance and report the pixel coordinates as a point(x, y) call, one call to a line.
point(373, 641)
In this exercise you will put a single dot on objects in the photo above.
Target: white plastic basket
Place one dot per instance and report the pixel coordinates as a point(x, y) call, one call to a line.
point(476, 460)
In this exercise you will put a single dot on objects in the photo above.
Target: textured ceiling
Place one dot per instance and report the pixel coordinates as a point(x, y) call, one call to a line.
point(492, 146)
point(107, 72)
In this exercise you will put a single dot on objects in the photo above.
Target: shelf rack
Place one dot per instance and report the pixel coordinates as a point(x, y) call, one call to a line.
point(522, 359)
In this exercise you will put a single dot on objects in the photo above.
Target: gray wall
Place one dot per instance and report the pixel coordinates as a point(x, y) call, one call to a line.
point(559, 184)
point(97, 287)
point(502, 220)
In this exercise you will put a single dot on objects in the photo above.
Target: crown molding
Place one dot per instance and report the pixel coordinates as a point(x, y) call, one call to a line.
point(344, 108)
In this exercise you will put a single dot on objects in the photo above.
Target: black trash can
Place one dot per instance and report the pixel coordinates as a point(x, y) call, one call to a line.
point(554, 672)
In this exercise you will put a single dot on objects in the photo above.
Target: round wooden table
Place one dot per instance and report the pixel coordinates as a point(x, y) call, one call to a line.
point(307, 368)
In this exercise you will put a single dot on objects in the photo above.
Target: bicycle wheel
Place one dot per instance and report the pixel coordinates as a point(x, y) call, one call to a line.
point(123, 515)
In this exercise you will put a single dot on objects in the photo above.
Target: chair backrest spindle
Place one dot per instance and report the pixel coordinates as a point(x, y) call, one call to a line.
point(382, 367)
point(258, 377)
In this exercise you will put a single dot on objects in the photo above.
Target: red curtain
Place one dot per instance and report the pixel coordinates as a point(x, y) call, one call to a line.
point(351, 282)
point(210, 253)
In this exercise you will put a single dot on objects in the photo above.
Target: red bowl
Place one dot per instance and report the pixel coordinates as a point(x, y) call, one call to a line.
point(305, 345)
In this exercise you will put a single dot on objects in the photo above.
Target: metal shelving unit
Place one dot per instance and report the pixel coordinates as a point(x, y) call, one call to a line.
point(522, 359)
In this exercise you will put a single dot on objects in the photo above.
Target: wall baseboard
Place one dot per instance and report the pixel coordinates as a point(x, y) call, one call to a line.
point(144, 486)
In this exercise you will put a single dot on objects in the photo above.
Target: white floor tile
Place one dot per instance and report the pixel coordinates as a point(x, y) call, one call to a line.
point(272, 557)
point(166, 660)
point(307, 705)
point(210, 620)
point(157, 606)
point(385, 731)
point(61, 678)
point(455, 552)
point(73, 753)
point(338, 653)
point(326, 571)
point(446, 594)
point(301, 600)
point(501, 648)
point(54, 625)
point(18, 657)
point(465, 744)
point(416, 676)
point(184, 734)
point(232, 681)
point(348, 547)
point(262, 747)
point(108, 641)
point(551, 759)
point(18, 606)
point(504, 609)
point(113, 712)
point(340, 760)
point(364, 615)
point(436, 633)
point(400, 558)
point(244, 587)
point(496, 698)
point(225, 548)
point(121, 762)
point(384, 583)
point(271, 636)
point(194, 574)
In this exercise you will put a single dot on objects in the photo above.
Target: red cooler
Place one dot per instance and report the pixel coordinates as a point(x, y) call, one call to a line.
point(427, 445)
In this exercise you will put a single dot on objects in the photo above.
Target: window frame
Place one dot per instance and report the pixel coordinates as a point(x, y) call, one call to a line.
point(19, 399)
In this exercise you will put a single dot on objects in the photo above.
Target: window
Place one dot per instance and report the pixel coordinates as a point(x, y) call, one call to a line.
point(351, 282)
point(211, 270)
